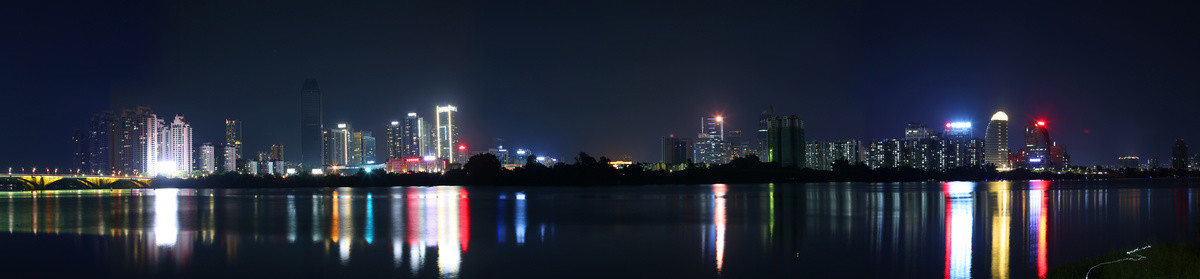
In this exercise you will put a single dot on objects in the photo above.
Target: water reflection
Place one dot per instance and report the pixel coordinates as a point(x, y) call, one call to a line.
point(960, 226)
point(951, 230)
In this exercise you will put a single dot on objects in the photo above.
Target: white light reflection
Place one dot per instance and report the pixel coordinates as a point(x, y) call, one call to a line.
point(719, 191)
point(436, 218)
point(291, 218)
point(960, 218)
point(397, 199)
point(166, 217)
point(519, 221)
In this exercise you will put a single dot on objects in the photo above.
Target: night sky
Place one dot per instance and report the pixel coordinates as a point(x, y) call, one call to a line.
point(605, 77)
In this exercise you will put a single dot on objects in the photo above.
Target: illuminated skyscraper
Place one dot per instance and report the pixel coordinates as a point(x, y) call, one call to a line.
point(447, 133)
point(958, 130)
point(393, 140)
point(1037, 145)
point(996, 142)
point(337, 145)
point(311, 125)
point(404, 138)
point(711, 147)
point(135, 141)
point(233, 135)
point(206, 158)
point(364, 148)
point(412, 133)
point(176, 158)
point(785, 141)
point(1179, 155)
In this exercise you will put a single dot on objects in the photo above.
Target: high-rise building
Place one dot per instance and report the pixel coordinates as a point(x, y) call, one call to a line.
point(1037, 145)
point(916, 131)
point(1128, 162)
point(135, 141)
point(447, 133)
point(225, 158)
point(816, 155)
point(958, 130)
point(277, 152)
point(412, 135)
point(737, 145)
point(366, 153)
point(79, 151)
point(821, 155)
point(785, 141)
point(675, 150)
point(886, 153)
point(100, 136)
point(176, 157)
point(394, 140)
point(996, 142)
point(711, 147)
point(312, 126)
point(761, 146)
point(404, 138)
point(233, 135)
point(1153, 163)
point(428, 139)
point(206, 158)
point(1179, 155)
point(337, 145)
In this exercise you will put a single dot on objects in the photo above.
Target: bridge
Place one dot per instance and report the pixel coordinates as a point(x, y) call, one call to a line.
point(13, 181)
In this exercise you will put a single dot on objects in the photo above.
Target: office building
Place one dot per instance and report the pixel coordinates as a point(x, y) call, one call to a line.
point(785, 141)
point(1179, 155)
point(393, 140)
point(738, 147)
point(79, 151)
point(675, 151)
point(233, 135)
point(1128, 162)
point(312, 126)
point(958, 130)
point(337, 145)
point(916, 131)
point(447, 133)
point(404, 138)
point(995, 142)
point(711, 147)
point(1037, 145)
point(100, 136)
point(760, 147)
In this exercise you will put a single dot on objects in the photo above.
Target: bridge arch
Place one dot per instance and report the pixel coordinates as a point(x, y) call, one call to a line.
point(69, 184)
point(17, 183)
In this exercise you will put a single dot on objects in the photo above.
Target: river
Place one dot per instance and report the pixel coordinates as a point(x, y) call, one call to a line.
point(824, 230)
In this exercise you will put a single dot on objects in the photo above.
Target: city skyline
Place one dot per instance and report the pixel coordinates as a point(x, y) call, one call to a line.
point(851, 80)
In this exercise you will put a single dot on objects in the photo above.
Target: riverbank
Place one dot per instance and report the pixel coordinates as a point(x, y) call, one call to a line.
point(1162, 260)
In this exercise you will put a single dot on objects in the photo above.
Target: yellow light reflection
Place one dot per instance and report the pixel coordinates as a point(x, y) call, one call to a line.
point(1001, 227)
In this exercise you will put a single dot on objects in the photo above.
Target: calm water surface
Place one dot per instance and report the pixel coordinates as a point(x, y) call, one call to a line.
point(919, 230)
